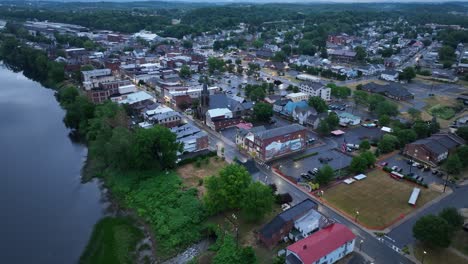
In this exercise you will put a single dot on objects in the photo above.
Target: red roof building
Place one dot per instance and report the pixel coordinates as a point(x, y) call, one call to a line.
point(327, 245)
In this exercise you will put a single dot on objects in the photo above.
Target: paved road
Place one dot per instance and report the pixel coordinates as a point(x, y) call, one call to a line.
point(401, 233)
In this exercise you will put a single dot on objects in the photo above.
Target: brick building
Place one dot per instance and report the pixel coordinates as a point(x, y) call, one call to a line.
point(277, 142)
point(434, 149)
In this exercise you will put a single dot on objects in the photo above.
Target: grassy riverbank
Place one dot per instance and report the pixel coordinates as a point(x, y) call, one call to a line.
point(113, 241)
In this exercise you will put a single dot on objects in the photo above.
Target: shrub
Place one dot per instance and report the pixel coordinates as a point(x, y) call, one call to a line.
point(387, 169)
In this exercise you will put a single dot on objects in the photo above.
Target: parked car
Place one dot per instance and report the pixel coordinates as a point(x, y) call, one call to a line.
point(400, 170)
point(394, 168)
point(415, 164)
point(384, 163)
point(420, 166)
point(426, 168)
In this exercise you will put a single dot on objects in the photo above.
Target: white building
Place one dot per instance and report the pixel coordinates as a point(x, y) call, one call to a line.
point(133, 98)
point(327, 245)
point(297, 97)
point(391, 76)
point(316, 89)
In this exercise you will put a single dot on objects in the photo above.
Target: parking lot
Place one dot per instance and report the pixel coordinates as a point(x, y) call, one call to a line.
point(402, 162)
point(337, 161)
point(357, 134)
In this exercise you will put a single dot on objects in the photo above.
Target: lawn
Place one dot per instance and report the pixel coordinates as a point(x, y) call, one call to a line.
point(113, 241)
point(192, 176)
point(437, 256)
point(379, 199)
point(460, 241)
point(444, 112)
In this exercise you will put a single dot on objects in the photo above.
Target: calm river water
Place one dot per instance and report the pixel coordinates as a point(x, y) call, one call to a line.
point(47, 214)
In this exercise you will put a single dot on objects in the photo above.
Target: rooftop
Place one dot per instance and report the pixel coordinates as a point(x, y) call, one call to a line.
point(279, 131)
point(322, 243)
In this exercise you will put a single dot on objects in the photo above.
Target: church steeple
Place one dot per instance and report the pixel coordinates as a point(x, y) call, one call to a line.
point(205, 95)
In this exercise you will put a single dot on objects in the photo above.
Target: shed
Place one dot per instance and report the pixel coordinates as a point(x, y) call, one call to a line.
point(349, 181)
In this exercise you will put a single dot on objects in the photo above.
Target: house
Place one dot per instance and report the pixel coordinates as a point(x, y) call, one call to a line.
point(297, 97)
point(389, 75)
point(311, 222)
point(288, 109)
point(168, 119)
point(349, 119)
point(242, 133)
point(300, 114)
point(316, 89)
point(392, 90)
point(434, 149)
point(278, 228)
point(314, 120)
point(279, 105)
point(277, 142)
point(327, 245)
point(342, 55)
point(264, 53)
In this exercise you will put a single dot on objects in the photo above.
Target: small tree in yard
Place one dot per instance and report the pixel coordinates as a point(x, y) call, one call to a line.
point(453, 217)
point(263, 111)
point(323, 127)
point(433, 230)
point(358, 165)
point(318, 103)
point(257, 201)
point(364, 145)
point(369, 157)
point(325, 175)
point(453, 165)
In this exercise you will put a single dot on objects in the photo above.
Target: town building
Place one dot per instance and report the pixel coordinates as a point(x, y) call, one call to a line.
point(434, 149)
point(297, 97)
point(327, 245)
point(392, 90)
point(342, 55)
point(192, 137)
point(349, 119)
point(279, 228)
point(221, 118)
point(277, 142)
point(316, 89)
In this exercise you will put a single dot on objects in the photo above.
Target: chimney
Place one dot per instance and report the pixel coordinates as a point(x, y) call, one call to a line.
point(304, 247)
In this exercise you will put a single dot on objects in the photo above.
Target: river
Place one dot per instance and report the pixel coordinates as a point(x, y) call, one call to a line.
point(47, 214)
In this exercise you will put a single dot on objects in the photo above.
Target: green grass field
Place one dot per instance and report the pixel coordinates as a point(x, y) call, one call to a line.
point(113, 241)
point(379, 199)
point(444, 112)
point(437, 255)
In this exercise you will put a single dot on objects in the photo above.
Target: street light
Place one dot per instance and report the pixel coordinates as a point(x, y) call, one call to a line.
point(360, 245)
point(424, 254)
point(357, 214)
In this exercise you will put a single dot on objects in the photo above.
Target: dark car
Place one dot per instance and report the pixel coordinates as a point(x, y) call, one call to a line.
point(420, 166)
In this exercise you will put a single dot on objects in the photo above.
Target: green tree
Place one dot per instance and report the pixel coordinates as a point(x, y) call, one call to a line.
point(318, 103)
point(229, 253)
point(361, 53)
point(414, 113)
point(360, 98)
point(339, 91)
point(67, 95)
point(462, 153)
point(364, 145)
point(227, 190)
point(432, 230)
point(323, 128)
point(447, 53)
point(453, 165)
point(215, 64)
point(358, 165)
point(405, 136)
point(324, 175)
point(386, 108)
point(279, 56)
point(463, 132)
point(187, 44)
point(257, 201)
point(421, 128)
point(185, 72)
point(384, 120)
point(333, 120)
point(388, 143)
point(453, 218)
point(369, 157)
point(257, 94)
point(374, 100)
point(155, 148)
point(263, 111)
point(88, 45)
point(258, 43)
point(407, 74)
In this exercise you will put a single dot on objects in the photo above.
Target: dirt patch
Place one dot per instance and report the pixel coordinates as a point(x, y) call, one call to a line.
point(193, 175)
